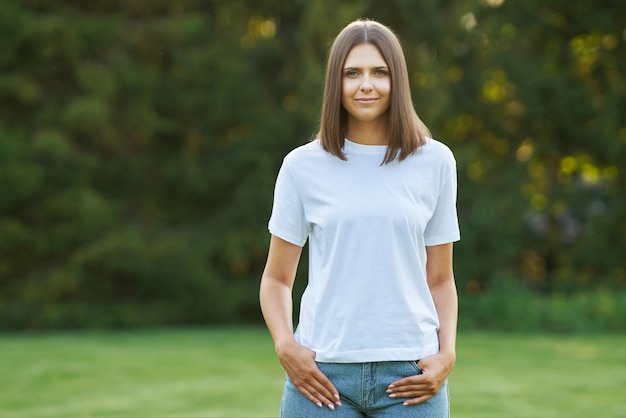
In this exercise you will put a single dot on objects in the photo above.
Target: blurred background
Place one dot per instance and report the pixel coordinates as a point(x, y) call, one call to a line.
point(140, 141)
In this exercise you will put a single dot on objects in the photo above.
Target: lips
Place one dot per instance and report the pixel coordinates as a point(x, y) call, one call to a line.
point(366, 100)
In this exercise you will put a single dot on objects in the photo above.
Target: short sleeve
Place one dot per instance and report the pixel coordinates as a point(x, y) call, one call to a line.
point(443, 226)
point(288, 219)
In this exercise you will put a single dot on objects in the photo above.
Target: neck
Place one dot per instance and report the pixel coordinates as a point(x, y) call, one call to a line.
point(367, 133)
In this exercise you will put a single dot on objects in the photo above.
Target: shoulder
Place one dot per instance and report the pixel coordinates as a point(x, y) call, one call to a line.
point(309, 156)
point(433, 154)
point(437, 149)
point(304, 152)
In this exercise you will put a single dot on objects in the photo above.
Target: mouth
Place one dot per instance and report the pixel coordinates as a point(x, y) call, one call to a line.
point(366, 100)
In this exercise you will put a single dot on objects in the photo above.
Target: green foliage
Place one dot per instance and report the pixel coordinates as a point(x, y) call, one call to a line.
point(512, 308)
point(140, 140)
point(536, 124)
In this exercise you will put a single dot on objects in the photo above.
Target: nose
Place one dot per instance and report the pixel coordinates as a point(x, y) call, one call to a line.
point(366, 85)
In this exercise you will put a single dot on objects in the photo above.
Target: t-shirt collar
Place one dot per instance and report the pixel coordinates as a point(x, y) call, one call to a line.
point(350, 147)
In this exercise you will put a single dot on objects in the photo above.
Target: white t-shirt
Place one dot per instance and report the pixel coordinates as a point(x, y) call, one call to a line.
point(367, 298)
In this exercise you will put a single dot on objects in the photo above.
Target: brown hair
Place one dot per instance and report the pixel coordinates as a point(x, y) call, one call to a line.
point(405, 131)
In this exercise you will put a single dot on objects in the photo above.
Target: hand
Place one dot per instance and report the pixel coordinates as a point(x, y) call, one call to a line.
point(422, 387)
point(299, 363)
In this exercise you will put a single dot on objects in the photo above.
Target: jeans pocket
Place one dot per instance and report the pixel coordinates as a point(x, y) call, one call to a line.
point(417, 368)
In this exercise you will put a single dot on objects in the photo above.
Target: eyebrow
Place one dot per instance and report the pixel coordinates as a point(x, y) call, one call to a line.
point(383, 67)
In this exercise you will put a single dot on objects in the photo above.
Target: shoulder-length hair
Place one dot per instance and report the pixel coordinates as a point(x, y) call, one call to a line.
point(405, 131)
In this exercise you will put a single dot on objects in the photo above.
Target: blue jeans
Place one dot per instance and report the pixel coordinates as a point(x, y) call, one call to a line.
point(362, 388)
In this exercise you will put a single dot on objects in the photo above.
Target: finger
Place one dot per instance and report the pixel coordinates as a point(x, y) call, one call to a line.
point(417, 400)
point(326, 390)
point(319, 390)
point(418, 379)
point(309, 396)
point(425, 387)
point(409, 395)
point(408, 391)
point(314, 396)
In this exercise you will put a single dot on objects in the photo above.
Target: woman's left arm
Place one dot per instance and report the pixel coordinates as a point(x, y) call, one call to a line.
point(440, 278)
point(436, 368)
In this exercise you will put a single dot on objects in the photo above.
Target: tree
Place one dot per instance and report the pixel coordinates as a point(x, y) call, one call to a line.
point(140, 140)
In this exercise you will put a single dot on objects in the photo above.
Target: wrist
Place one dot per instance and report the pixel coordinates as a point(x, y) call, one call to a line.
point(284, 344)
point(449, 354)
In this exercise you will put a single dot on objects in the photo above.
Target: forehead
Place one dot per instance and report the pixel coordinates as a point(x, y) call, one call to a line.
point(364, 55)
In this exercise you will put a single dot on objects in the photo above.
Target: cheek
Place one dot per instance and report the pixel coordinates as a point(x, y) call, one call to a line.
point(384, 86)
point(347, 87)
point(343, 93)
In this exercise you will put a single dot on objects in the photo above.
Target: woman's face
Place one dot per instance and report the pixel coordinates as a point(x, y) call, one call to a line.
point(366, 85)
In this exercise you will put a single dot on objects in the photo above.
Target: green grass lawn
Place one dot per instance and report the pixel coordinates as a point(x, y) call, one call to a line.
point(232, 372)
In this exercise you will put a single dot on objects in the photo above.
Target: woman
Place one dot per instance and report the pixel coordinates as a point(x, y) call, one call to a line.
point(376, 198)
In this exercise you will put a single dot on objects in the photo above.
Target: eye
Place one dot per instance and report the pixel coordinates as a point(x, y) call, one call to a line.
point(381, 73)
point(351, 74)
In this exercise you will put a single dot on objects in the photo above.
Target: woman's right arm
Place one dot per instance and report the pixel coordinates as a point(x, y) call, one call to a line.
point(276, 304)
